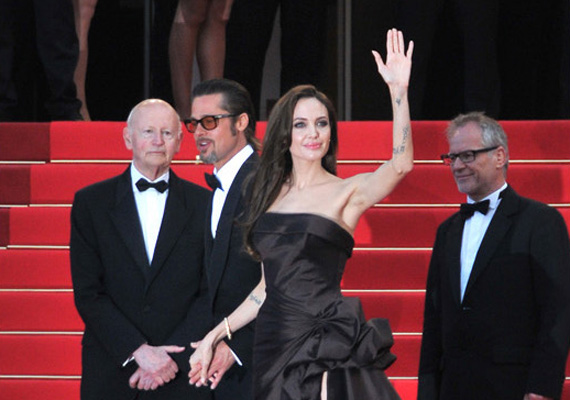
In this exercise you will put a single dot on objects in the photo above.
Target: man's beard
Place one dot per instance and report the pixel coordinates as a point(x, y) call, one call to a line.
point(211, 159)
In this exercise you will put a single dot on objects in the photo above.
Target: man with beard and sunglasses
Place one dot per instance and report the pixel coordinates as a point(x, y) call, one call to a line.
point(222, 122)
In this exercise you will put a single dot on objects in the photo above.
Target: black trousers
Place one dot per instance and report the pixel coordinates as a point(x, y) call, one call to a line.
point(236, 384)
point(57, 47)
point(478, 24)
point(302, 39)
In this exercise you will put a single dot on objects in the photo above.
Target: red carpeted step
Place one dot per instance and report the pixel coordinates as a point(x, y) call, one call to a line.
point(427, 184)
point(379, 227)
point(406, 388)
point(39, 226)
point(4, 226)
point(404, 310)
point(55, 311)
point(35, 389)
point(369, 140)
point(386, 269)
point(536, 140)
point(15, 183)
point(399, 227)
point(41, 354)
point(61, 355)
point(357, 140)
point(39, 311)
point(24, 142)
point(34, 269)
point(100, 141)
point(68, 389)
point(47, 179)
point(57, 183)
point(407, 349)
point(527, 139)
point(366, 269)
point(51, 226)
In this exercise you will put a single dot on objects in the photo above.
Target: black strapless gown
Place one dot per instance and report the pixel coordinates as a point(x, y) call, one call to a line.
point(305, 326)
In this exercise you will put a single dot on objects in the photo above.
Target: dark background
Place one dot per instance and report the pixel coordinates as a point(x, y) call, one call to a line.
point(534, 61)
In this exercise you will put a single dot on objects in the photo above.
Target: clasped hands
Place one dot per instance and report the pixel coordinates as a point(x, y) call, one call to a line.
point(156, 367)
point(209, 362)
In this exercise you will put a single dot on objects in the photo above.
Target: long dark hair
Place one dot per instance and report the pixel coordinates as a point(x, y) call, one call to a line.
point(276, 163)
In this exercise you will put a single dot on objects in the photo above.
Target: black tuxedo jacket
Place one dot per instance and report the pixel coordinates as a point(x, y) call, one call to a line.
point(232, 273)
point(511, 333)
point(125, 302)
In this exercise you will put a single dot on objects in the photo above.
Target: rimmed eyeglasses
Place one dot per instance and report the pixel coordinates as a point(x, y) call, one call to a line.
point(466, 156)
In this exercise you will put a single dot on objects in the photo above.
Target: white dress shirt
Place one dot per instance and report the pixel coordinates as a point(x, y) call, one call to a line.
point(150, 207)
point(226, 176)
point(473, 232)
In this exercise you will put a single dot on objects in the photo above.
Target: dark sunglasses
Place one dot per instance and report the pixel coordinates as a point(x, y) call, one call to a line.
point(209, 122)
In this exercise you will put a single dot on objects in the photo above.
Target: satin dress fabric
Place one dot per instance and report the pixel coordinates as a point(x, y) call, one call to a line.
point(306, 326)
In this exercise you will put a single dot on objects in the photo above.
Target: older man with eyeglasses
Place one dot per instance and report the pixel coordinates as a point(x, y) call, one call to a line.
point(497, 308)
point(222, 122)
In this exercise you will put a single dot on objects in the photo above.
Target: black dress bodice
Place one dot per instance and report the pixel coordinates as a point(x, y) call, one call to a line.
point(306, 326)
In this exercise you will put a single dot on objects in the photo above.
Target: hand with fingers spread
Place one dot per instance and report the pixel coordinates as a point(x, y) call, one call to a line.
point(396, 70)
point(156, 367)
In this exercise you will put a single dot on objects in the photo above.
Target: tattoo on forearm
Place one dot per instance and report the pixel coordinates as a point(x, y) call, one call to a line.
point(398, 101)
point(255, 299)
point(400, 149)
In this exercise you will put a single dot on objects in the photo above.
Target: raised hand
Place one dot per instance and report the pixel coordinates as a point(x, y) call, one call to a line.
point(396, 70)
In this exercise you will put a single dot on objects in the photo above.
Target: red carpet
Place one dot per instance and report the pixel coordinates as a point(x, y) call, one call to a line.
point(43, 165)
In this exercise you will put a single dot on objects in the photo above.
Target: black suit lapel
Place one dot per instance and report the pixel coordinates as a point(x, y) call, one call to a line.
point(220, 246)
point(126, 220)
point(498, 228)
point(453, 255)
point(173, 222)
point(208, 239)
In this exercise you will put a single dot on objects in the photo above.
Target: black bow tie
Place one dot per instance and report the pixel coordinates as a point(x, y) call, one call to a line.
point(143, 184)
point(468, 209)
point(213, 181)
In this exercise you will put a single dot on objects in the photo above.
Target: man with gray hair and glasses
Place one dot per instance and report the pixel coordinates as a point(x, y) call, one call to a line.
point(497, 307)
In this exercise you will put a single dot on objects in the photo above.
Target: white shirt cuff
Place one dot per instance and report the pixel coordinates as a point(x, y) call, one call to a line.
point(236, 358)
